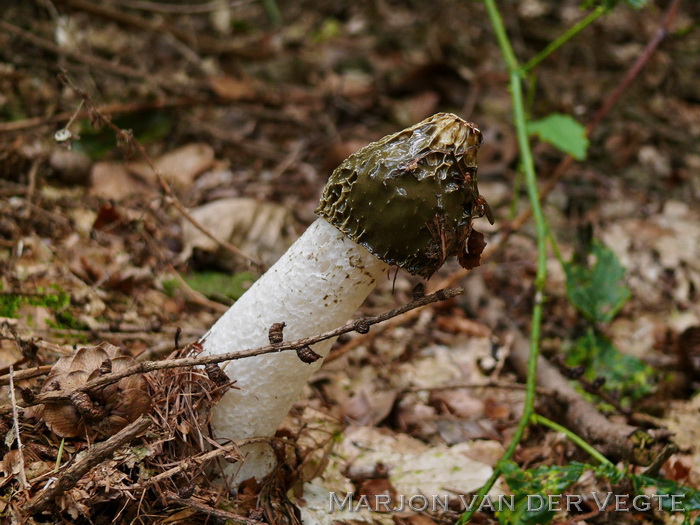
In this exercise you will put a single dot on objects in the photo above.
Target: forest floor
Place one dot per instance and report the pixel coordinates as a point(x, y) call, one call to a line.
point(254, 108)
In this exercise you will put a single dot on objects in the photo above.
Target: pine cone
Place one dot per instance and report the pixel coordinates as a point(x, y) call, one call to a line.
point(104, 411)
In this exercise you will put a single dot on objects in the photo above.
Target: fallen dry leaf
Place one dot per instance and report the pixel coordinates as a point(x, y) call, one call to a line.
point(262, 229)
point(414, 467)
point(111, 180)
point(369, 406)
point(179, 167)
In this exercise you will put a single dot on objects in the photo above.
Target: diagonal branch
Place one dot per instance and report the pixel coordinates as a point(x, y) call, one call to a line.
point(361, 325)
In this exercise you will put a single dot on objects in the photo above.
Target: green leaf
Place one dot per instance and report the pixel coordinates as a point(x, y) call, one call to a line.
point(608, 471)
point(218, 284)
point(629, 377)
point(563, 132)
point(673, 496)
point(532, 488)
point(598, 292)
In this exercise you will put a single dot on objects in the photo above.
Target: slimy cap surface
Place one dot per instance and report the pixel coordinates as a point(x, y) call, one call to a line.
point(410, 197)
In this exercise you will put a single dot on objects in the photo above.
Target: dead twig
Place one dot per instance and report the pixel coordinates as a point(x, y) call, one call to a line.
point(95, 455)
point(617, 441)
point(128, 139)
point(199, 460)
point(503, 385)
point(21, 375)
point(634, 70)
point(150, 366)
point(211, 511)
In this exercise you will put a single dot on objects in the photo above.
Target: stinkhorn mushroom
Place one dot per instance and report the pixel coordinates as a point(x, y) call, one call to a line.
point(407, 200)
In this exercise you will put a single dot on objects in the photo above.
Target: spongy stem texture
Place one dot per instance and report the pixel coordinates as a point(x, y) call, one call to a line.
point(315, 287)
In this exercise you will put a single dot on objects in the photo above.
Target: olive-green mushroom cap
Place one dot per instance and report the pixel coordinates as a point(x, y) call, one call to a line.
point(410, 197)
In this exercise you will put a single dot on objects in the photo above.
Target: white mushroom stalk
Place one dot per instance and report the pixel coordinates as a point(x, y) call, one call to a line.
point(314, 287)
point(406, 200)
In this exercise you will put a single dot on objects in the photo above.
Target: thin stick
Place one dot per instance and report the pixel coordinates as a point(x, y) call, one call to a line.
point(633, 71)
point(150, 366)
point(200, 459)
point(616, 440)
point(211, 511)
point(21, 375)
point(77, 111)
point(59, 456)
point(15, 419)
point(504, 385)
point(95, 455)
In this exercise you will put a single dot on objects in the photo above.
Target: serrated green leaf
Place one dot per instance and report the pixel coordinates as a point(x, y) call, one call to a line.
point(563, 132)
point(598, 292)
point(627, 376)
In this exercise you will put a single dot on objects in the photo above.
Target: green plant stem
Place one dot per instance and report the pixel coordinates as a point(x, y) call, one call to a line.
point(528, 165)
point(575, 439)
point(563, 39)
